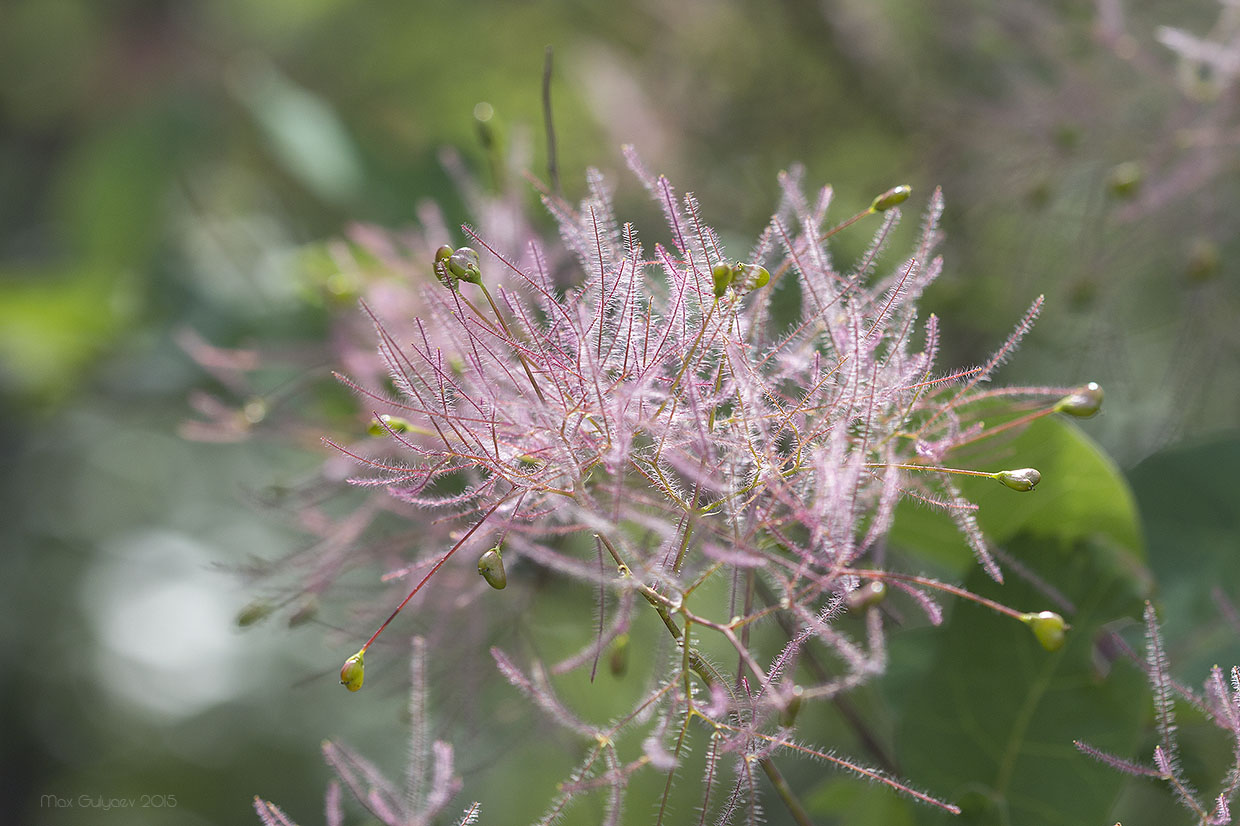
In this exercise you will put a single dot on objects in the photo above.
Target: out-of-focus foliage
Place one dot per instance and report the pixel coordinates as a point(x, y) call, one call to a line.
point(1009, 715)
point(163, 166)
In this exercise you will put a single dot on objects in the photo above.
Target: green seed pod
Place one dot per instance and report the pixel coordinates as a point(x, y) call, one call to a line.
point(491, 566)
point(867, 596)
point(1083, 402)
point(722, 274)
point(253, 613)
point(788, 714)
point(1124, 180)
point(395, 423)
point(890, 198)
point(1048, 627)
point(1203, 261)
point(306, 611)
point(1025, 478)
point(750, 277)
point(618, 662)
point(464, 265)
point(353, 671)
point(441, 267)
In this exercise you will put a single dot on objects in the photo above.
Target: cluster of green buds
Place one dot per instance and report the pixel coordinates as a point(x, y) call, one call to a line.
point(739, 276)
point(453, 266)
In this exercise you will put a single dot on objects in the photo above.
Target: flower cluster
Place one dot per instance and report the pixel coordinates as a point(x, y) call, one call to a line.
point(720, 439)
point(663, 408)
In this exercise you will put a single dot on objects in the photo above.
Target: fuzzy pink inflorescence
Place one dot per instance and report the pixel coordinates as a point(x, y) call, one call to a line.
point(664, 408)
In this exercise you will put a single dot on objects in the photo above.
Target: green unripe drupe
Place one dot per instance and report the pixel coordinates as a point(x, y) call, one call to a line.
point(892, 197)
point(441, 267)
point(788, 714)
point(1082, 402)
point(464, 265)
point(618, 662)
point(1025, 478)
point(255, 612)
point(305, 612)
point(750, 277)
point(1204, 260)
point(394, 423)
point(722, 275)
point(491, 566)
point(1048, 627)
point(1124, 179)
point(866, 596)
point(353, 671)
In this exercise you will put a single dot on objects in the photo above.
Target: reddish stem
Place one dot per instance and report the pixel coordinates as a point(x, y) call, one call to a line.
point(432, 571)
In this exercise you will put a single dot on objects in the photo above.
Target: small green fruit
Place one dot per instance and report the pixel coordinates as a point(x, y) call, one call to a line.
point(1204, 260)
point(1025, 478)
point(464, 265)
point(255, 612)
point(491, 566)
point(1083, 402)
point(441, 267)
point(618, 662)
point(306, 611)
point(1124, 180)
point(890, 198)
point(867, 596)
point(395, 423)
point(751, 277)
point(788, 714)
point(353, 671)
point(1048, 627)
point(722, 275)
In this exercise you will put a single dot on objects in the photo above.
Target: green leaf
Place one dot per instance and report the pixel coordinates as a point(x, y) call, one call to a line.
point(989, 723)
point(1082, 494)
point(1189, 507)
point(53, 324)
point(304, 132)
point(848, 801)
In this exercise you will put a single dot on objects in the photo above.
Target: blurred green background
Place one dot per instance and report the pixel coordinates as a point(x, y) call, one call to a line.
point(164, 166)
